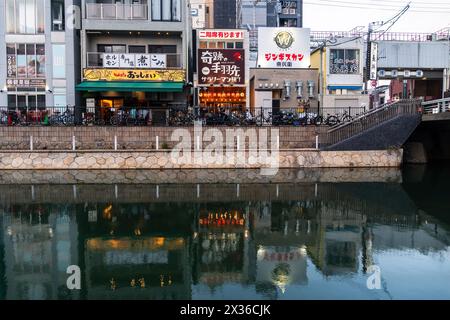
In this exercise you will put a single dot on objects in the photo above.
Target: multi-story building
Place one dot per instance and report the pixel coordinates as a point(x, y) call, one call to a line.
point(202, 12)
point(272, 13)
point(135, 54)
point(38, 52)
point(227, 14)
point(285, 13)
point(341, 75)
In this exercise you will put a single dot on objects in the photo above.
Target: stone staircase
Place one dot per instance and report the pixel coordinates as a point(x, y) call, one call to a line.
point(383, 128)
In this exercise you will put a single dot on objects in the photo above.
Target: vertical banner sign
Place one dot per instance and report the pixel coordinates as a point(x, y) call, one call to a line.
point(12, 66)
point(221, 66)
point(127, 61)
point(373, 61)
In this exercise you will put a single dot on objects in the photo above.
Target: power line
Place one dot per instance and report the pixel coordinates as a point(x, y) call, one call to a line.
point(377, 4)
point(371, 8)
point(366, 6)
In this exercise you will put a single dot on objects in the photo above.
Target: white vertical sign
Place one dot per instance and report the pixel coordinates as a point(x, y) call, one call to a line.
point(158, 61)
point(374, 61)
point(127, 60)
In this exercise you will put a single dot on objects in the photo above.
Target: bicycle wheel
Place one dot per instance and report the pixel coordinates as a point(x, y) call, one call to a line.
point(347, 118)
point(114, 121)
point(318, 121)
point(332, 121)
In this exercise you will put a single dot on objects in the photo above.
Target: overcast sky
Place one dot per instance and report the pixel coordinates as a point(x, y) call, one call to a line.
point(343, 15)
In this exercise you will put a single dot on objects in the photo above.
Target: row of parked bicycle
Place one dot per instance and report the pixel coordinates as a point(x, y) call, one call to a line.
point(176, 118)
point(282, 118)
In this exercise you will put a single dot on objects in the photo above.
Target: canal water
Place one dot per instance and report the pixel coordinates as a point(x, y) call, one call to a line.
point(384, 239)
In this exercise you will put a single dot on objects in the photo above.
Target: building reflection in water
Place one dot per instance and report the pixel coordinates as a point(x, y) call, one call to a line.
point(264, 239)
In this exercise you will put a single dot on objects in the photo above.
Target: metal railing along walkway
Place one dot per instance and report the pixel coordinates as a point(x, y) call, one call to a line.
point(370, 120)
point(436, 106)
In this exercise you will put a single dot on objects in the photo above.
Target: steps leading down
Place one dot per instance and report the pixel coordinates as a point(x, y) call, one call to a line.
point(387, 127)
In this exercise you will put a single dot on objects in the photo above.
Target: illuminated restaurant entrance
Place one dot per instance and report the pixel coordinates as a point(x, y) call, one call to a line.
point(213, 99)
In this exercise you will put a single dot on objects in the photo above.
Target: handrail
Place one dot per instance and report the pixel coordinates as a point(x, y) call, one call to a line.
point(436, 106)
point(370, 120)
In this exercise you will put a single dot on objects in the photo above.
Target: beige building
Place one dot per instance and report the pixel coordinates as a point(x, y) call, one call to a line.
point(274, 89)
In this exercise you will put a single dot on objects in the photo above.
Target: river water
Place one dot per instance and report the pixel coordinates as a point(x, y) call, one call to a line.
point(292, 239)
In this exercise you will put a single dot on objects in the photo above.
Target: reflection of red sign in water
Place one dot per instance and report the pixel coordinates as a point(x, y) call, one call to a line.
point(221, 66)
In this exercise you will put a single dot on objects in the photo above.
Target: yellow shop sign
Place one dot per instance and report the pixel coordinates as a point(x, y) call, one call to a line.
point(134, 74)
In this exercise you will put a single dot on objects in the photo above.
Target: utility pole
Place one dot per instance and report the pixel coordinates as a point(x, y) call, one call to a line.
point(369, 49)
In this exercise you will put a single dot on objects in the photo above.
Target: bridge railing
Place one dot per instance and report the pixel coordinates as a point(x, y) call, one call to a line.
point(436, 106)
point(370, 120)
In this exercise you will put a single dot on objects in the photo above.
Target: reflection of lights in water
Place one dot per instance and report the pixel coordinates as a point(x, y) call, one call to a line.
point(195, 235)
point(9, 231)
point(50, 232)
point(303, 251)
point(113, 284)
point(281, 276)
point(206, 244)
point(107, 212)
point(246, 234)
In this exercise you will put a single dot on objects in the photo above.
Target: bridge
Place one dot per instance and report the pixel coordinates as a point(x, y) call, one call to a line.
point(387, 127)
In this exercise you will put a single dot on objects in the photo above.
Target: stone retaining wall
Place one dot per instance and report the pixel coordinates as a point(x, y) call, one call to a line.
point(130, 138)
point(91, 160)
point(198, 176)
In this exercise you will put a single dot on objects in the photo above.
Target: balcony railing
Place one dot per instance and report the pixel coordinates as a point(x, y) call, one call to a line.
point(171, 61)
point(105, 11)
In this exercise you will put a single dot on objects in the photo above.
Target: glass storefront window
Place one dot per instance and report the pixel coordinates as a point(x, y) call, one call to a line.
point(28, 100)
point(25, 60)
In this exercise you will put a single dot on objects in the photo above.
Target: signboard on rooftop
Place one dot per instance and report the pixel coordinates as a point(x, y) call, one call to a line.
point(284, 48)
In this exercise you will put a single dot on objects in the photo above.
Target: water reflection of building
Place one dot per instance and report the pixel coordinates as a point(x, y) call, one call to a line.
point(338, 244)
point(281, 232)
point(40, 243)
point(137, 251)
point(222, 245)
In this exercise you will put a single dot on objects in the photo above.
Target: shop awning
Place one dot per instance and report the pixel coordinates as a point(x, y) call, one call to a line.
point(130, 86)
point(345, 87)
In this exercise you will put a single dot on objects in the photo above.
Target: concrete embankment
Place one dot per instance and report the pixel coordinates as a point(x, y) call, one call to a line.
point(289, 159)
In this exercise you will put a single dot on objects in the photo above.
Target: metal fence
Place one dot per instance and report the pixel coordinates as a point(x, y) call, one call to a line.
point(436, 106)
point(112, 11)
point(174, 116)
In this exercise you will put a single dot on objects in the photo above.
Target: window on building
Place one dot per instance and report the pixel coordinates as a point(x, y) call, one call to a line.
point(25, 16)
point(288, 23)
point(166, 10)
point(30, 100)
point(239, 45)
point(230, 45)
point(172, 58)
point(59, 61)
point(58, 18)
point(112, 48)
point(25, 60)
point(136, 49)
point(203, 45)
point(344, 61)
point(162, 49)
